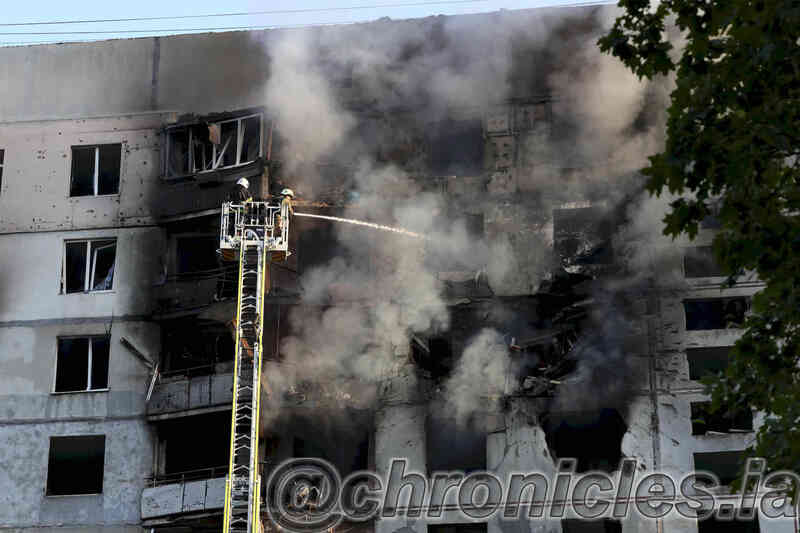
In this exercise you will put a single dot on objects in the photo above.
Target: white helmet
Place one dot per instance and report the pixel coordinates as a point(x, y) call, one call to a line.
point(287, 192)
point(243, 182)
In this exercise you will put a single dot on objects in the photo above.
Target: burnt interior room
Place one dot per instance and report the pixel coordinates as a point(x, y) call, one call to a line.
point(567, 433)
point(715, 525)
point(725, 465)
point(195, 344)
point(456, 147)
point(582, 236)
point(716, 313)
point(604, 525)
point(452, 444)
point(707, 361)
point(192, 443)
point(339, 436)
point(457, 528)
point(75, 465)
point(705, 422)
point(699, 262)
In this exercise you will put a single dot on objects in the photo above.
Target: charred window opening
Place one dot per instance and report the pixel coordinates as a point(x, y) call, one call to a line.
point(582, 236)
point(456, 528)
point(568, 433)
point(434, 355)
point(95, 170)
point(605, 525)
point(726, 465)
point(82, 364)
point(312, 437)
point(75, 465)
point(699, 262)
point(714, 525)
point(195, 345)
point(456, 148)
point(454, 445)
point(196, 254)
point(88, 266)
point(705, 422)
point(207, 146)
point(540, 361)
point(717, 313)
point(706, 361)
point(475, 225)
point(179, 438)
point(317, 245)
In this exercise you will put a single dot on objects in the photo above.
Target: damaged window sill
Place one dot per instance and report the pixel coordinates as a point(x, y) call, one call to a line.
point(112, 291)
point(61, 393)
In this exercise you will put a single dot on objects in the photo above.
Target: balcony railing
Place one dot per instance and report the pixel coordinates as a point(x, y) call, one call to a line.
point(196, 392)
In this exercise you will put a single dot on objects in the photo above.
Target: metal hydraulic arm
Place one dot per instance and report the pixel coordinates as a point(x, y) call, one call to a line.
point(253, 231)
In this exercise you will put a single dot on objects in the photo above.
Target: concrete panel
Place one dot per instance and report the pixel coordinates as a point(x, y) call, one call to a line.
point(92, 79)
point(30, 273)
point(194, 496)
point(168, 397)
point(24, 452)
point(199, 392)
point(161, 501)
point(215, 494)
point(221, 389)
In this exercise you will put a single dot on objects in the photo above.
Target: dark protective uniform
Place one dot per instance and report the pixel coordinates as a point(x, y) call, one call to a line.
point(239, 194)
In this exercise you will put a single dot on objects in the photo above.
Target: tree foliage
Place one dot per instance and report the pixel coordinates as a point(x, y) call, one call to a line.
point(732, 146)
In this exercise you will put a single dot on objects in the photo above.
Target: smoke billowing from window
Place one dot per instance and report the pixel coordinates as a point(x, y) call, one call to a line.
point(366, 99)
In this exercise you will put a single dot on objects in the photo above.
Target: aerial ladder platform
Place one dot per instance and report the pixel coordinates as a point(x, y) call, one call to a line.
point(255, 234)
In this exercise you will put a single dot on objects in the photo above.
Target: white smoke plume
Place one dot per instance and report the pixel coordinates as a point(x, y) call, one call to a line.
point(603, 124)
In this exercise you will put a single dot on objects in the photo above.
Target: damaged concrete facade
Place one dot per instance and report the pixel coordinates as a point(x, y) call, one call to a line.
point(145, 111)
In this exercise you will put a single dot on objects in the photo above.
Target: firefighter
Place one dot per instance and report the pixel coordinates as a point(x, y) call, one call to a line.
point(240, 193)
point(288, 195)
point(286, 207)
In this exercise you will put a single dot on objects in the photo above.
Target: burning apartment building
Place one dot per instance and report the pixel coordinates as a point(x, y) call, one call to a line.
point(541, 316)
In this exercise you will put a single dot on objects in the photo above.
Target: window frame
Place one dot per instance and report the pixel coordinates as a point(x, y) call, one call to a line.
point(216, 154)
point(96, 177)
point(89, 266)
point(88, 364)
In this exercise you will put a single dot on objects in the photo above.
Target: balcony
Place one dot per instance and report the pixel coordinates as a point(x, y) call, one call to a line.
point(186, 395)
point(185, 495)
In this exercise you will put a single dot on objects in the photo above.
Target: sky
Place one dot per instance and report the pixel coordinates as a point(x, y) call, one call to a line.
point(306, 12)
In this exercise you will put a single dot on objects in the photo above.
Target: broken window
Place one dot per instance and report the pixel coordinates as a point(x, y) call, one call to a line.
point(717, 313)
point(196, 254)
point(197, 345)
point(88, 265)
point(582, 236)
point(179, 438)
point(699, 262)
point(82, 364)
point(705, 361)
point(95, 170)
point(714, 525)
point(75, 465)
point(605, 525)
point(455, 445)
point(206, 146)
point(704, 421)
point(434, 354)
point(312, 437)
point(725, 465)
point(317, 246)
point(456, 148)
point(568, 433)
point(456, 528)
